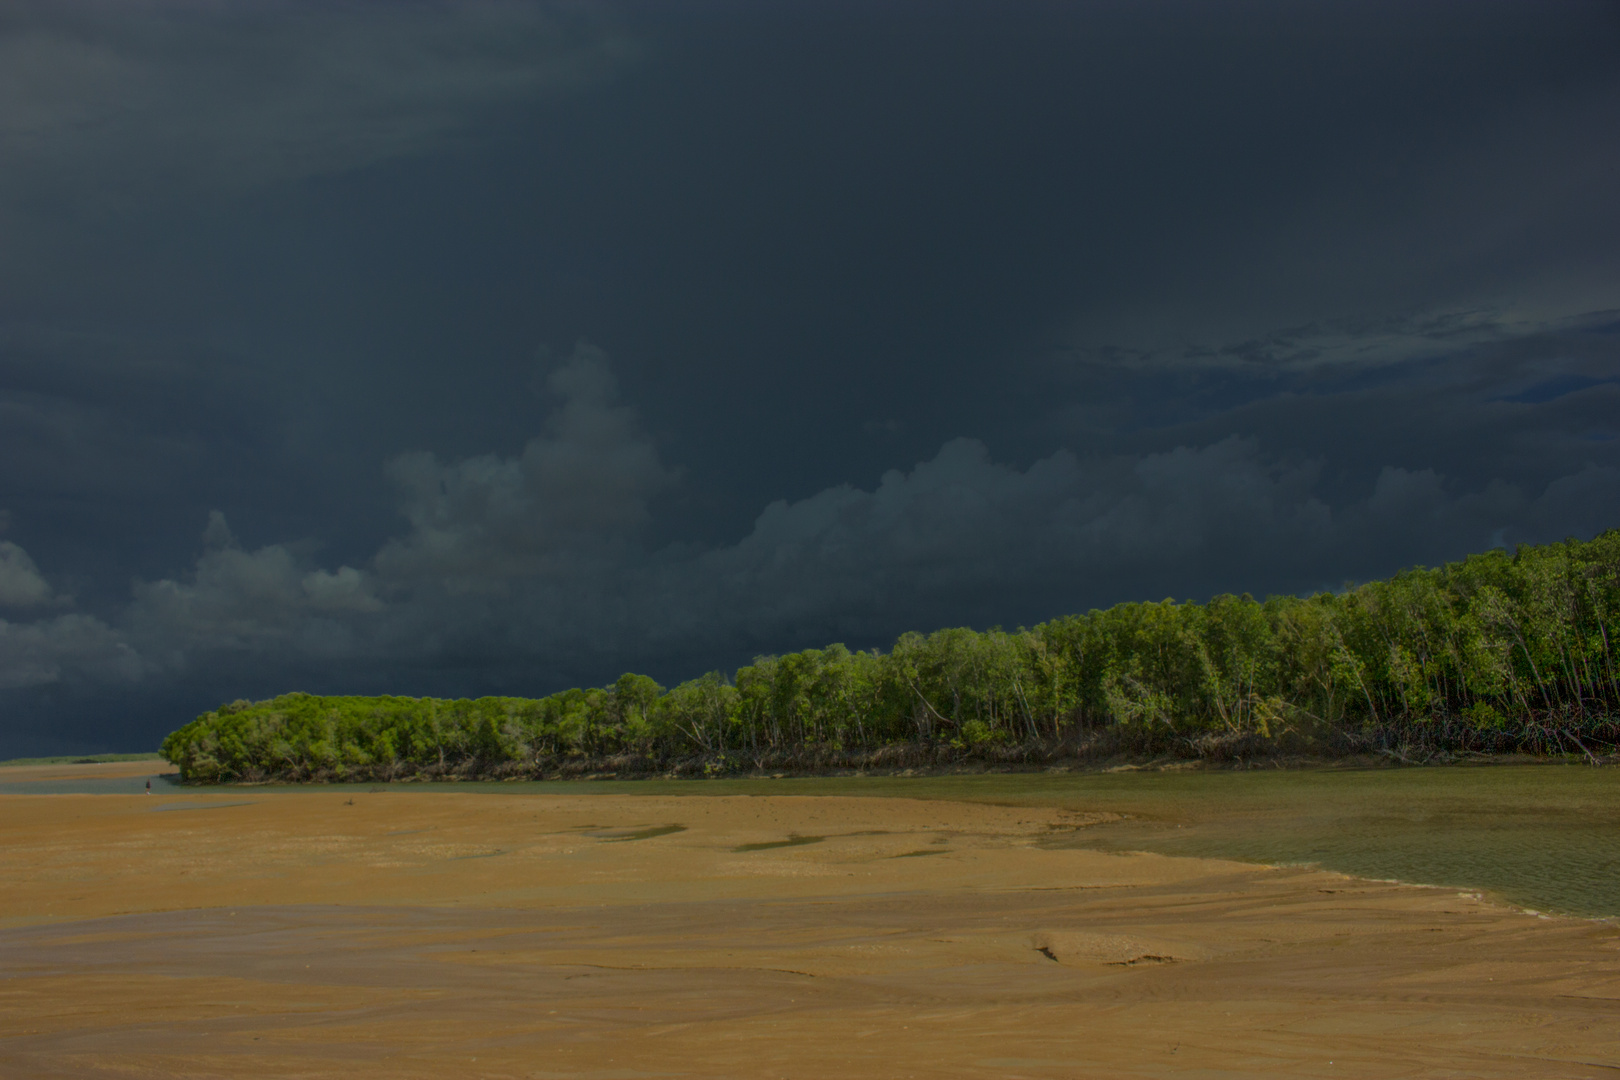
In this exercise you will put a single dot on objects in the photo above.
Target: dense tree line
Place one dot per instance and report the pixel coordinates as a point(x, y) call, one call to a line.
point(1504, 651)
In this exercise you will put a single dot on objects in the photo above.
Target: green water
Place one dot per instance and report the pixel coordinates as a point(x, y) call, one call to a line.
point(1544, 836)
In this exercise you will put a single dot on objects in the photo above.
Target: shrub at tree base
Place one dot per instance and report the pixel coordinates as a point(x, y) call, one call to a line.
point(1502, 652)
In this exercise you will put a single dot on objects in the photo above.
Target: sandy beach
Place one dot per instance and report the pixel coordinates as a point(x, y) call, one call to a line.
point(345, 933)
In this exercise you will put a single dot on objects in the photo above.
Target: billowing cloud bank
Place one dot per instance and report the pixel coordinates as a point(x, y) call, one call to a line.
point(539, 562)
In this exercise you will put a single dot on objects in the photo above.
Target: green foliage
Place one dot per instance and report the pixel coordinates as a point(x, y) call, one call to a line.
point(1497, 644)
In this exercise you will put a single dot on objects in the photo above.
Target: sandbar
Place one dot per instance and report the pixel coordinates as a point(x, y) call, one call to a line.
point(347, 933)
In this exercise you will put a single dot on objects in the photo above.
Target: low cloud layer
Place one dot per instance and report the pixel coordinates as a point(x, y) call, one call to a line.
point(577, 493)
point(539, 563)
point(21, 585)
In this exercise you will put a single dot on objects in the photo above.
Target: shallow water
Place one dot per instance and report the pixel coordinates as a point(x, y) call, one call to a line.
point(1545, 837)
point(1541, 836)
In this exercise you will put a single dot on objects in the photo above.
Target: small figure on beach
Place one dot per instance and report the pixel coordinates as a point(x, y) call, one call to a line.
point(149, 785)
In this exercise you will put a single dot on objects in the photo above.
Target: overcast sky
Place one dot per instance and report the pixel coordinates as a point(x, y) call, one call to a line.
point(504, 347)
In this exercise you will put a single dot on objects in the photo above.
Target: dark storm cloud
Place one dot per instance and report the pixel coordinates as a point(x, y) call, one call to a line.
point(1523, 405)
point(135, 139)
point(200, 94)
point(916, 317)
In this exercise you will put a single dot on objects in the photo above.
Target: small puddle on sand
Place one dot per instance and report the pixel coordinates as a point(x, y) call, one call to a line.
point(202, 806)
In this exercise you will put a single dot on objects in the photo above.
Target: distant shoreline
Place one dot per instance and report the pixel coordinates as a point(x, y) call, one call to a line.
point(81, 759)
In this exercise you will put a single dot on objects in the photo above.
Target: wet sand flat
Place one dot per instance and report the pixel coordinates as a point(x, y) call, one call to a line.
point(326, 933)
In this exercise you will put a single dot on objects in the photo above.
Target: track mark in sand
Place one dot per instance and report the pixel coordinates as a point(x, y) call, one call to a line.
point(796, 840)
point(919, 854)
point(1145, 958)
point(641, 834)
point(698, 967)
point(793, 840)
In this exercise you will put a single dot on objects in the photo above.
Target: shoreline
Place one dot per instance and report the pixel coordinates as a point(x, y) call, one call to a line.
point(1535, 833)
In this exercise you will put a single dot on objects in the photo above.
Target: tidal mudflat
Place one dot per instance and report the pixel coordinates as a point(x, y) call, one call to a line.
point(756, 929)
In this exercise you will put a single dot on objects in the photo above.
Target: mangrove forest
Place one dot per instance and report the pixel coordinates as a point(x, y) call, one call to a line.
point(1502, 652)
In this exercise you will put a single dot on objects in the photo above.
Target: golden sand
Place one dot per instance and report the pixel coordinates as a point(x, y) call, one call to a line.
point(333, 933)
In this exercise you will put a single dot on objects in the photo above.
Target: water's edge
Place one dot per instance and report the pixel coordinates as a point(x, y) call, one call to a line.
point(1538, 835)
